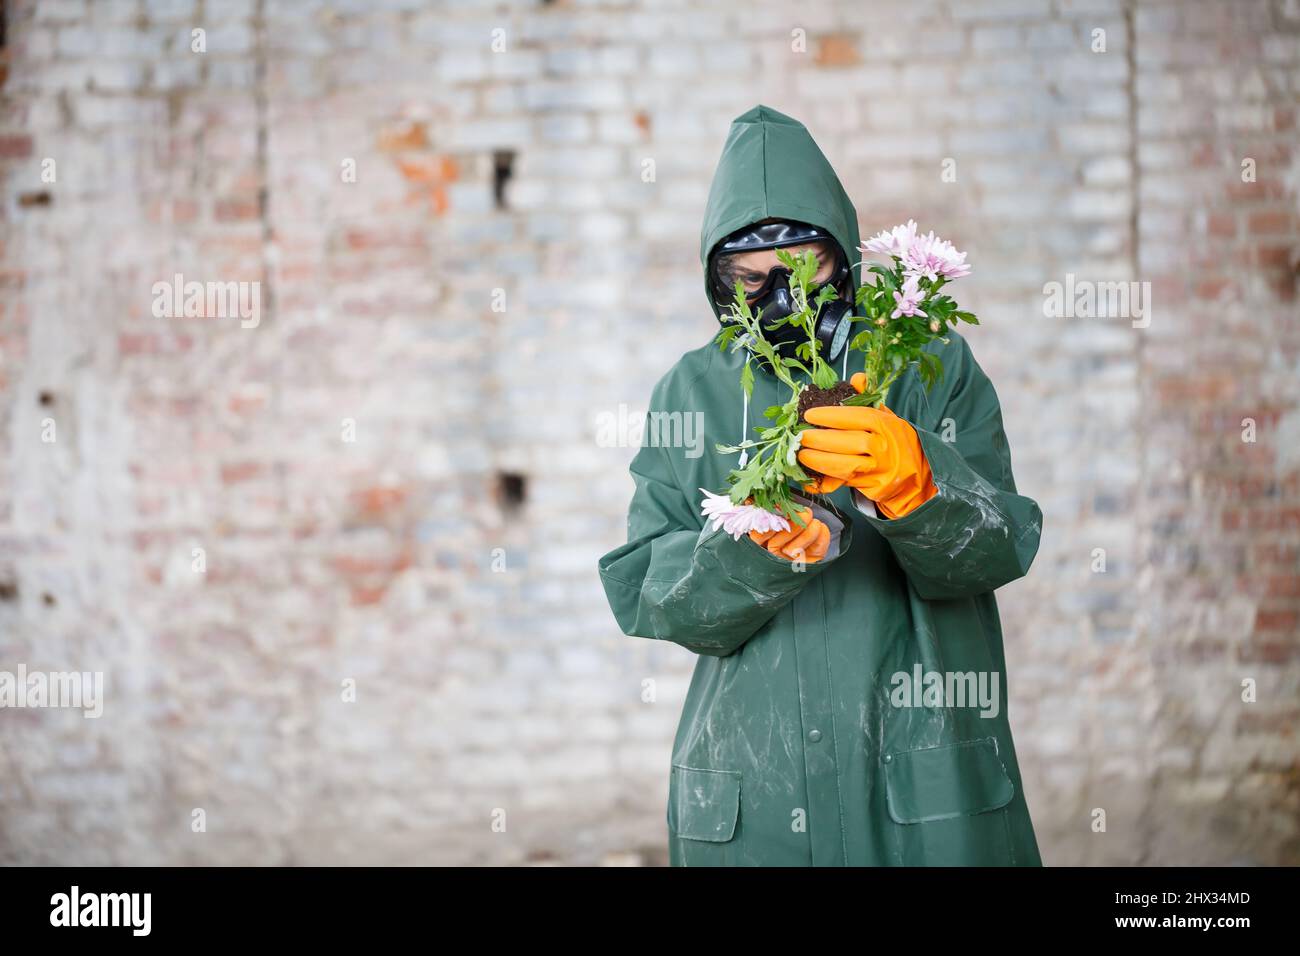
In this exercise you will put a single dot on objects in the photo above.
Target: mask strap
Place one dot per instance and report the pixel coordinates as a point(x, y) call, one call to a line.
point(744, 429)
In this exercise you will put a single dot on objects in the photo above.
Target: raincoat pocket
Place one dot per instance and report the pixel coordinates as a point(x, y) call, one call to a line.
point(949, 806)
point(703, 804)
point(940, 783)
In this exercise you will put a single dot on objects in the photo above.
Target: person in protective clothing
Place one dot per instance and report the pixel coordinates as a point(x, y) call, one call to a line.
point(849, 703)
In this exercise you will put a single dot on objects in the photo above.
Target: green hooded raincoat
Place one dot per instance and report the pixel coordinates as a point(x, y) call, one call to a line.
point(813, 732)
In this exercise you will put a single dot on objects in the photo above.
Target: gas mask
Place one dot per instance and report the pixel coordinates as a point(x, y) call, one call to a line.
point(774, 297)
point(776, 302)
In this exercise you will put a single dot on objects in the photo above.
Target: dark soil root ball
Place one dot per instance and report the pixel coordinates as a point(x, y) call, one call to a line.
point(813, 397)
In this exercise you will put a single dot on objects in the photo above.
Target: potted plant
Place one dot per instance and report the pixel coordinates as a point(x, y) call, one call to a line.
point(902, 311)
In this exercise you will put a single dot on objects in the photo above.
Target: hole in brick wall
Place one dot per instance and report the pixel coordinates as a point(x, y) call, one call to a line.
point(513, 489)
point(8, 589)
point(48, 598)
point(28, 200)
point(503, 167)
point(46, 398)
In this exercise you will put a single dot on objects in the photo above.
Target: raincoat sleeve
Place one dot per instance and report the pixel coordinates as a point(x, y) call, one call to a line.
point(977, 533)
point(678, 580)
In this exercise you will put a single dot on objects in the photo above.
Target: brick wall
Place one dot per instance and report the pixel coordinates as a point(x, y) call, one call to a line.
point(394, 477)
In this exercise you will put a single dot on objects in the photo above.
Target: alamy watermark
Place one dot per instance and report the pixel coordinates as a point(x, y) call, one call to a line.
point(1084, 299)
point(179, 299)
point(627, 428)
point(130, 910)
point(81, 689)
point(923, 688)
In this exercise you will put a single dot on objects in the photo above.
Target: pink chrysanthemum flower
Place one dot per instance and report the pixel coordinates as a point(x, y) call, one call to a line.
point(907, 301)
point(739, 519)
point(895, 242)
point(930, 257)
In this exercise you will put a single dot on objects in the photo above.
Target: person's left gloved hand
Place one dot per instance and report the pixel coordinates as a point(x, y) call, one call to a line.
point(870, 449)
point(807, 543)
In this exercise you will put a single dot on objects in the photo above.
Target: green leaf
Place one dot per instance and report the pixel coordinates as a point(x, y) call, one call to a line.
point(743, 487)
point(940, 307)
point(890, 279)
point(824, 376)
point(725, 337)
point(747, 379)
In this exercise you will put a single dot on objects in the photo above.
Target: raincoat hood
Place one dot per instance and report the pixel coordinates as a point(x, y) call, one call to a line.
point(771, 168)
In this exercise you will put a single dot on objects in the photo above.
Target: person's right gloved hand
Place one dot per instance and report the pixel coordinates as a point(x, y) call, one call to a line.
point(825, 484)
point(870, 449)
point(808, 543)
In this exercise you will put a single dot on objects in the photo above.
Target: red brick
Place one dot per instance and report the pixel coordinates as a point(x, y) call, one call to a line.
point(379, 501)
point(402, 135)
point(233, 474)
point(14, 146)
point(429, 169)
point(1260, 651)
point(1270, 222)
point(1283, 585)
point(179, 211)
point(836, 50)
point(356, 565)
point(1275, 256)
point(1212, 288)
point(242, 209)
point(365, 596)
point(1222, 225)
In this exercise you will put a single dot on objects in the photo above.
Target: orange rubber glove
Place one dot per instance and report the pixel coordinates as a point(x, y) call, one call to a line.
point(870, 449)
point(807, 543)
